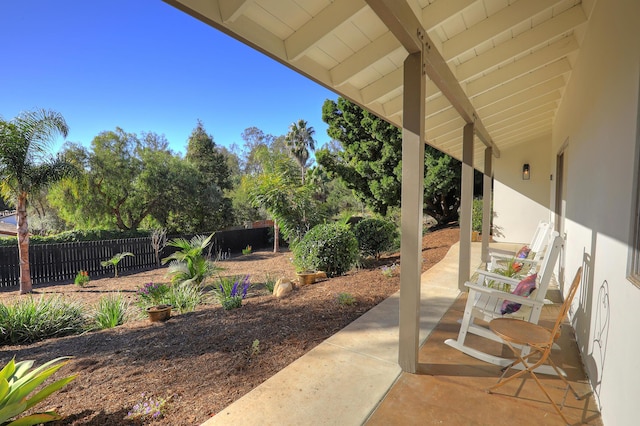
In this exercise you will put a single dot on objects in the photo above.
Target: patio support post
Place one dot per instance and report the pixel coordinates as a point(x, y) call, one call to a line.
point(411, 211)
point(466, 203)
point(487, 196)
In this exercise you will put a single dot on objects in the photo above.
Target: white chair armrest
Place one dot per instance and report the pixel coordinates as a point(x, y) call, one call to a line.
point(502, 295)
point(501, 252)
point(497, 277)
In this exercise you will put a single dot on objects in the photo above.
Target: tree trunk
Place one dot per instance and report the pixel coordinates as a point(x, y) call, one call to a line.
point(276, 236)
point(23, 244)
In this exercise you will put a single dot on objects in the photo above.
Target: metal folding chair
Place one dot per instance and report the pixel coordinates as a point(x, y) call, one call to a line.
point(539, 340)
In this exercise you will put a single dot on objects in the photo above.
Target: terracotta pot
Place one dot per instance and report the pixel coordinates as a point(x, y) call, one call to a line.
point(306, 278)
point(159, 313)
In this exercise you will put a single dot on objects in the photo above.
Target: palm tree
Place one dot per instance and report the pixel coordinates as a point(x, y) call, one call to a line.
point(299, 140)
point(26, 167)
point(189, 265)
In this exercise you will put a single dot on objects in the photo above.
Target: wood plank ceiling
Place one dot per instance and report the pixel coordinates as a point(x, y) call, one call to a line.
point(512, 58)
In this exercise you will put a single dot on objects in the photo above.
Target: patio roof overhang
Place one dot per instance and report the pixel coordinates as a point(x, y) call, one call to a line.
point(469, 77)
point(502, 64)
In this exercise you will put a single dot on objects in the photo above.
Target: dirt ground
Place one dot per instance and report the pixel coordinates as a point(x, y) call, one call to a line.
point(200, 362)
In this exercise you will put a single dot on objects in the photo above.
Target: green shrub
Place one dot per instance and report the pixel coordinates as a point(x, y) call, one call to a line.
point(269, 283)
point(82, 278)
point(231, 290)
point(19, 380)
point(29, 320)
point(184, 297)
point(375, 236)
point(152, 294)
point(476, 215)
point(346, 299)
point(111, 311)
point(75, 236)
point(331, 248)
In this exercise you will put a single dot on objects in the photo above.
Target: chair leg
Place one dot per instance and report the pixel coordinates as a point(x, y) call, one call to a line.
point(544, 356)
point(575, 393)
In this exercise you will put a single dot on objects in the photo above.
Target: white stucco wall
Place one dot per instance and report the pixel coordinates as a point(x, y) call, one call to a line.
point(598, 121)
point(518, 205)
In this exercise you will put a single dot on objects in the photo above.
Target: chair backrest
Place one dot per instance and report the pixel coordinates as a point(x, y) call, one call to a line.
point(564, 309)
point(548, 263)
point(541, 237)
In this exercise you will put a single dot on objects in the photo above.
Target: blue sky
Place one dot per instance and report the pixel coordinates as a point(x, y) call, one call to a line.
point(146, 67)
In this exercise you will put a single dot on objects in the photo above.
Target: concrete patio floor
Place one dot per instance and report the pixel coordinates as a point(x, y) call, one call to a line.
point(353, 377)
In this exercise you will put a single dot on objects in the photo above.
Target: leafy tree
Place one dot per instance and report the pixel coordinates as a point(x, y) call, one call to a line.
point(442, 180)
point(254, 140)
point(214, 179)
point(128, 180)
point(259, 155)
point(114, 167)
point(279, 192)
point(203, 153)
point(26, 167)
point(299, 140)
point(75, 200)
point(370, 162)
point(332, 195)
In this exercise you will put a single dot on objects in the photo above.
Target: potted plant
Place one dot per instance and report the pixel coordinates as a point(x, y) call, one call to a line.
point(151, 297)
point(159, 312)
point(306, 277)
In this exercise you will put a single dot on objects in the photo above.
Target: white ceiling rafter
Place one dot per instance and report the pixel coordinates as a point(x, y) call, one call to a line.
point(230, 10)
point(406, 27)
point(527, 64)
point(501, 21)
point(505, 103)
point(440, 11)
point(504, 61)
point(366, 57)
point(523, 82)
point(322, 24)
point(561, 23)
point(542, 104)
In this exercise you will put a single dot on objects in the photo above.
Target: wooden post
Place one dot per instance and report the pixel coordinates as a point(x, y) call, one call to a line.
point(411, 215)
point(466, 203)
point(487, 196)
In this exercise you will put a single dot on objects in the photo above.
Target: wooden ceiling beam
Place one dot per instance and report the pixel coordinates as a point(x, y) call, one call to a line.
point(407, 28)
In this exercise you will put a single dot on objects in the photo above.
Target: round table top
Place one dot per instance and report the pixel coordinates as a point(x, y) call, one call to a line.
point(519, 331)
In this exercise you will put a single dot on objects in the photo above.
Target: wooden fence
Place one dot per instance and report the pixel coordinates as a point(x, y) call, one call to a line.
point(61, 262)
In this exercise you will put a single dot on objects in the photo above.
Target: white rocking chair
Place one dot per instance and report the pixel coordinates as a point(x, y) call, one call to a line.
point(538, 245)
point(486, 297)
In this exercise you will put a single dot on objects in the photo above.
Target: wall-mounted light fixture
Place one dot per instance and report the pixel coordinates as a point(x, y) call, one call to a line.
point(526, 172)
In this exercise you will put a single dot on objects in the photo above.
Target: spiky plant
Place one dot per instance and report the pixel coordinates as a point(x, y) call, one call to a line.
point(188, 263)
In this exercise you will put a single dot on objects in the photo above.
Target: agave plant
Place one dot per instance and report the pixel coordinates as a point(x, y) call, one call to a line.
point(189, 264)
point(18, 380)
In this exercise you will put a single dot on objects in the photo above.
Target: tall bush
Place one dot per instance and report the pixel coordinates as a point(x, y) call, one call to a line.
point(331, 248)
point(375, 236)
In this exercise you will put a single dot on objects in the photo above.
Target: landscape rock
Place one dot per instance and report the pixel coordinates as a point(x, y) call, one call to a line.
point(282, 287)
